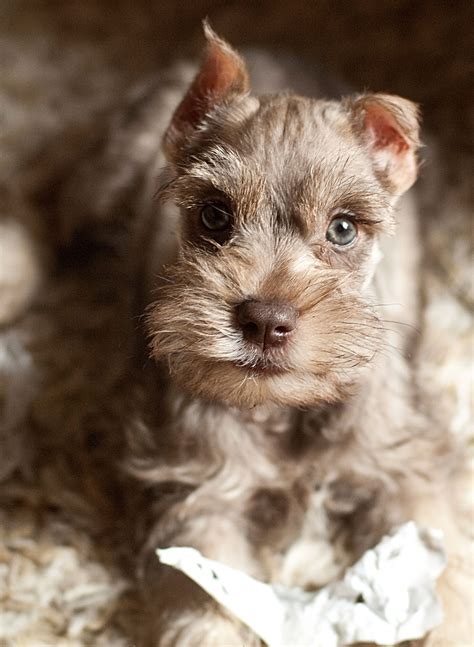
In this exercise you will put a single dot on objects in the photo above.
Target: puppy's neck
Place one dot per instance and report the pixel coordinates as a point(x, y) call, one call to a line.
point(193, 414)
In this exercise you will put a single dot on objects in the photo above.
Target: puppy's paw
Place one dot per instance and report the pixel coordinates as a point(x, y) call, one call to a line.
point(450, 634)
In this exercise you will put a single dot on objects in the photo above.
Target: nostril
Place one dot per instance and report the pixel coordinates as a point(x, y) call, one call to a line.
point(282, 330)
point(277, 335)
point(251, 328)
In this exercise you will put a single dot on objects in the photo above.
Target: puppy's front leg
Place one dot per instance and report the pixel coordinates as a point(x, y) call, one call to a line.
point(179, 612)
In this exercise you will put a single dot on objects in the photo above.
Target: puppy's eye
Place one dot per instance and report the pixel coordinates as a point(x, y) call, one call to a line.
point(216, 217)
point(342, 231)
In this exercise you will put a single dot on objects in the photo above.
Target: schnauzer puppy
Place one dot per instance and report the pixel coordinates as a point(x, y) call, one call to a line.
point(291, 431)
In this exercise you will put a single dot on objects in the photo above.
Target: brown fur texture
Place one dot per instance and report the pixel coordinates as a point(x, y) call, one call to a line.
point(261, 465)
point(318, 488)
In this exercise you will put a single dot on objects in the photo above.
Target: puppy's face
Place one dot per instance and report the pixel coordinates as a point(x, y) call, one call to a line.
point(282, 200)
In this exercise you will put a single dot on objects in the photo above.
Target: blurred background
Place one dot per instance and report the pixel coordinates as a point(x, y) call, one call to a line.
point(64, 67)
point(420, 49)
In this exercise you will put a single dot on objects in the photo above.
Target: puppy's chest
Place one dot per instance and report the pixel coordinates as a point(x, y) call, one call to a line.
point(295, 482)
point(310, 515)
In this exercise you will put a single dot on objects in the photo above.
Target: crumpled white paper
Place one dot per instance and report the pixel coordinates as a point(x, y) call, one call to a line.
point(388, 596)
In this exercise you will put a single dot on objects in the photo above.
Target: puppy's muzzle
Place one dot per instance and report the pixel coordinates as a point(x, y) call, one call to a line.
point(267, 325)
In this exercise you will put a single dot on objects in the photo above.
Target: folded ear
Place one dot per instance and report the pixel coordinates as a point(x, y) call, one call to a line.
point(389, 126)
point(221, 74)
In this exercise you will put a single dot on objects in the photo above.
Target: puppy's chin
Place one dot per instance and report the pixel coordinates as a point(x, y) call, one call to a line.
point(226, 383)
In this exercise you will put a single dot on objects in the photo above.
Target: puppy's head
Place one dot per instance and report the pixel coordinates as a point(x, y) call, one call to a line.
point(282, 200)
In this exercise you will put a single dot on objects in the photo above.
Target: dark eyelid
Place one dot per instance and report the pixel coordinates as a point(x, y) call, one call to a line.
point(355, 218)
point(214, 197)
point(369, 222)
point(344, 214)
point(217, 206)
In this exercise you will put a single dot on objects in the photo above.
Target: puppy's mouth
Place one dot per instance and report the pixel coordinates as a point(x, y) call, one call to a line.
point(263, 367)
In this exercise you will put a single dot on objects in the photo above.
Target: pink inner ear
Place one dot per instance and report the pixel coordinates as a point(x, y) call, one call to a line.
point(385, 134)
point(221, 72)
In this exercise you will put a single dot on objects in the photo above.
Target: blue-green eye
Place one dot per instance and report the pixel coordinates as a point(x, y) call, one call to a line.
point(341, 231)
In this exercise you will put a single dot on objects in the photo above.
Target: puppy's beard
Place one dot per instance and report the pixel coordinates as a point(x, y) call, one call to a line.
point(193, 328)
point(308, 373)
point(243, 388)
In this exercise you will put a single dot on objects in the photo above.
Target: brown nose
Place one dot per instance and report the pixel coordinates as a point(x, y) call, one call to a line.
point(266, 324)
